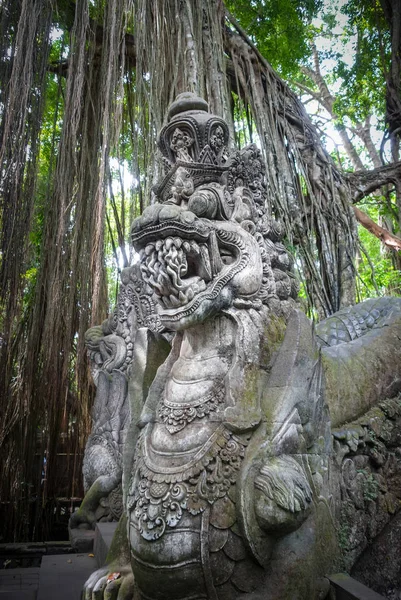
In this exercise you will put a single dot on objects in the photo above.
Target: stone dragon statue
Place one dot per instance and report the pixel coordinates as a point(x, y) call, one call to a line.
point(224, 440)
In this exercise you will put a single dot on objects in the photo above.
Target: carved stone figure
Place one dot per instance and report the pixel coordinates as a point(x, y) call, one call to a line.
point(226, 478)
point(110, 348)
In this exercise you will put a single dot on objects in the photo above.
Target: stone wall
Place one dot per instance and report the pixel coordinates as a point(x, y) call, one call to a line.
point(366, 476)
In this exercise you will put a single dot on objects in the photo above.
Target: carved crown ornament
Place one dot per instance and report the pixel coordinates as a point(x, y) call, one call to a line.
point(194, 140)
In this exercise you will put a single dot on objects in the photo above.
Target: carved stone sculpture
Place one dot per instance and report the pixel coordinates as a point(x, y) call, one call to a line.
point(110, 349)
point(226, 462)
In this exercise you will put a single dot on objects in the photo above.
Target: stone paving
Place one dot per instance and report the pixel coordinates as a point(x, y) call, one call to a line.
point(60, 577)
point(19, 584)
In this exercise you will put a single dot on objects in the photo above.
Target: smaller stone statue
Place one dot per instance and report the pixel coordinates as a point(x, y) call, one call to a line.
point(110, 348)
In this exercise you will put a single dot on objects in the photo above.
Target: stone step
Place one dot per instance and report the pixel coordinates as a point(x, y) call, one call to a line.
point(21, 595)
point(348, 588)
point(104, 533)
point(81, 540)
point(62, 577)
point(19, 584)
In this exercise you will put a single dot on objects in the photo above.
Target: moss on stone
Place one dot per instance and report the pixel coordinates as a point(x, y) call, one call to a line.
point(119, 553)
point(251, 386)
point(273, 336)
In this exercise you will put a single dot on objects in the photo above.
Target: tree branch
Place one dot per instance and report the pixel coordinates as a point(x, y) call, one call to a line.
point(60, 67)
point(326, 99)
point(388, 239)
point(363, 183)
point(307, 90)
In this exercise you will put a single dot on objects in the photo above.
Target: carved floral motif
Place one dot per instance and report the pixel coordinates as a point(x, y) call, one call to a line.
point(217, 139)
point(157, 498)
point(176, 415)
point(180, 142)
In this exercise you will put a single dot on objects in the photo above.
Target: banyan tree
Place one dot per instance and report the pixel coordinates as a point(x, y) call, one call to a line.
point(84, 88)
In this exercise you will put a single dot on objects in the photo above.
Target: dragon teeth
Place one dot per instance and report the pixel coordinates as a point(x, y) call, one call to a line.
point(175, 301)
point(215, 259)
point(166, 301)
point(165, 264)
point(206, 267)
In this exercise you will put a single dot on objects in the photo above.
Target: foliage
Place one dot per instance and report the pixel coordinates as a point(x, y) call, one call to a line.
point(376, 273)
point(280, 29)
point(370, 486)
point(341, 65)
point(360, 36)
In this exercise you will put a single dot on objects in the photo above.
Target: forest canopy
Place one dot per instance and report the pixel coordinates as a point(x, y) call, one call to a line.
point(84, 89)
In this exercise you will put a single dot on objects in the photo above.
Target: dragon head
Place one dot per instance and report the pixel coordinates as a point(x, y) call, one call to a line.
point(208, 243)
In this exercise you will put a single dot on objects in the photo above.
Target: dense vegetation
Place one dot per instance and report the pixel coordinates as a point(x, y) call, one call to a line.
point(84, 87)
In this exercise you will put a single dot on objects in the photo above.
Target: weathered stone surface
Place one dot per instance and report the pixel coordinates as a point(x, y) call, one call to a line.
point(379, 566)
point(371, 495)
point(350, 589)
point(217, 538)
point(113, 357)
point(361, 372)
point(82, 540)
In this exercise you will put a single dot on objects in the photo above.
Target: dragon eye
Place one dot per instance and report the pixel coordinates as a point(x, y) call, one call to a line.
point(203, 203)
point(227, 258)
